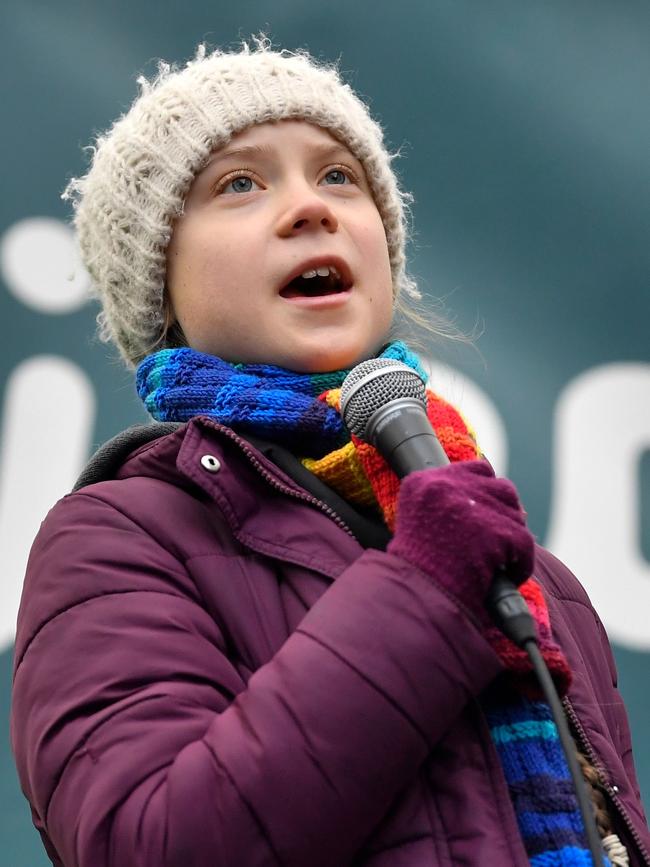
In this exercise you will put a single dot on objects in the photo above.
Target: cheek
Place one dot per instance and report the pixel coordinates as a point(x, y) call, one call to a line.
point(193, 258)
point(383, 307)
point(374, 239)
point(382, 278)
point(376, 252)
point(180, 257)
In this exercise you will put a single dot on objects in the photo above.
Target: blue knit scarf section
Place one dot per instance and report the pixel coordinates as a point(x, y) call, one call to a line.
point(282, 405)
point(261, 399)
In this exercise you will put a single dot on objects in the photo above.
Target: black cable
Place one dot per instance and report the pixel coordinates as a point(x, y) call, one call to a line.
point(568, 745)
point(513, 617)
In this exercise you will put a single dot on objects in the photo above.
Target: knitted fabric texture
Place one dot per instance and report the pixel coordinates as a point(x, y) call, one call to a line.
point(540, 784)
point(142, 169)
point(300, 410)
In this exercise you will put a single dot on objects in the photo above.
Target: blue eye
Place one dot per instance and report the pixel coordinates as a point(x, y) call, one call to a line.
point(240, 184)
point(336, 176)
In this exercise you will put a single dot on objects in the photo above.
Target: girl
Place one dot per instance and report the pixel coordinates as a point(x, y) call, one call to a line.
point(241, 641)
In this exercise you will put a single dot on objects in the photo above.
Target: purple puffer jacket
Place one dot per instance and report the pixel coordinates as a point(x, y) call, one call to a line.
point(210, 670)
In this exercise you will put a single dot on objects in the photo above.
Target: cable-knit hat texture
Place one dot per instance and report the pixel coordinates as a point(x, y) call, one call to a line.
point(142, 169)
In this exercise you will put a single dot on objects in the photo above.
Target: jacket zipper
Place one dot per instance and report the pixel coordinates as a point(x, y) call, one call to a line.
point(278, 485)
point(607, 786)
point(568, 707)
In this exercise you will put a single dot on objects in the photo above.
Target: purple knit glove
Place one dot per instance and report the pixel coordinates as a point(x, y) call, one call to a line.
point(460, 525)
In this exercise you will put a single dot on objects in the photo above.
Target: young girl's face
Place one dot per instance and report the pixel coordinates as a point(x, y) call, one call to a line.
point(281, 200)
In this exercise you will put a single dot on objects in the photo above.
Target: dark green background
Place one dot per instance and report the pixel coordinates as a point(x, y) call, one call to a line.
point(525, 130)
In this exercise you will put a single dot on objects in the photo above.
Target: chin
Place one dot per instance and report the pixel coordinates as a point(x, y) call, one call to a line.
point(326, 361)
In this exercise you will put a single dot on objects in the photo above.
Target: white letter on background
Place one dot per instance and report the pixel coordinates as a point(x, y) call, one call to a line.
point(602, 428)
point(47, 420)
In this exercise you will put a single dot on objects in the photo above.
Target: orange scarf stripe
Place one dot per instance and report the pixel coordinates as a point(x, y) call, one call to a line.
point(383, 481)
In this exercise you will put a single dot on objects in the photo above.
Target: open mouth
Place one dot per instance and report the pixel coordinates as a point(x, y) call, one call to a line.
point(314, 282)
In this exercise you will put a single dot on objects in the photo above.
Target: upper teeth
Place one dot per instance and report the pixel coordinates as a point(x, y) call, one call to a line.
point(323, 271)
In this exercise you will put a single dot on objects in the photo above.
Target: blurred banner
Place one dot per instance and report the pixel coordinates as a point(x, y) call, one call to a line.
point(524, 134)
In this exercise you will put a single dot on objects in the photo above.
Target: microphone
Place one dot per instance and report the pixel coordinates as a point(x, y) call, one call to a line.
point(383, 402)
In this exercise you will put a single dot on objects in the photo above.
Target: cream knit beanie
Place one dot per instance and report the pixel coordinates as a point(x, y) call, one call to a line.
point(142, 169)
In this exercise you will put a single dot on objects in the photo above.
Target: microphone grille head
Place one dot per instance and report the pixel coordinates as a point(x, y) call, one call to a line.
point(371, 385)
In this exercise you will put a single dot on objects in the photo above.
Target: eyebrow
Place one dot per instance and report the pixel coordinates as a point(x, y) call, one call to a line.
point(321, 151)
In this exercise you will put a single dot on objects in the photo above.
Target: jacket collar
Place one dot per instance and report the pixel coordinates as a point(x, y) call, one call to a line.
point(107, 460)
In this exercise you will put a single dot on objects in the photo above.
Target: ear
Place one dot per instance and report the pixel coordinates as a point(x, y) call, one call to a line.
point(172, 333)
point(169, 316)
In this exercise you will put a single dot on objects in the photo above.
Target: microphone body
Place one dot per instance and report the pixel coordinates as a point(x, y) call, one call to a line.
point(402, 433)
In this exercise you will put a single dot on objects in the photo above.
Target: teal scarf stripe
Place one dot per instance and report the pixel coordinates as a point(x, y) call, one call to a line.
point(524, 730)
point(283, 406)
point(270, 401)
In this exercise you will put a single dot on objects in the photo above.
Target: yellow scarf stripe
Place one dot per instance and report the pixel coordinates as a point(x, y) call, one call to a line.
point(342, 471)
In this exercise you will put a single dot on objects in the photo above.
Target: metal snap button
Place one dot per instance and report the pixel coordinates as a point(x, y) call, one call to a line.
point(210, 463)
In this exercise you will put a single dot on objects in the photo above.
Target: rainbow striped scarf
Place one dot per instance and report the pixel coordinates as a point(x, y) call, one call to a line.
point(301, 412)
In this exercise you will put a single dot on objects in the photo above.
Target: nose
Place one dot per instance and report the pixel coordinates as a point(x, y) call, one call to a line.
point(306, 211)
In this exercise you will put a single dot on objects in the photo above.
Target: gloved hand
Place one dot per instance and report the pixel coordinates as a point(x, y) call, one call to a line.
point(460, 525)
